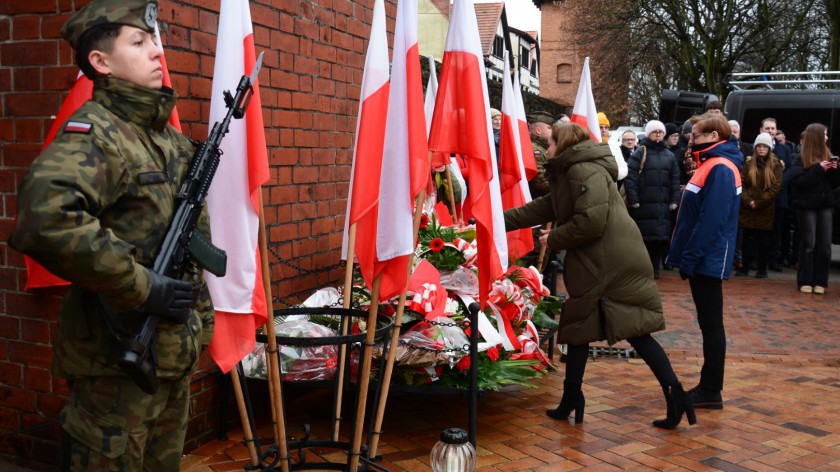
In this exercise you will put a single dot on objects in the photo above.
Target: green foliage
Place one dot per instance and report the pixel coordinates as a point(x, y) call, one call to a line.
point(495, 375)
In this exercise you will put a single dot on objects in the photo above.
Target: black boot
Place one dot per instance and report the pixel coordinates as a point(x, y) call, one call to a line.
point(678, 402)
point(572, 400)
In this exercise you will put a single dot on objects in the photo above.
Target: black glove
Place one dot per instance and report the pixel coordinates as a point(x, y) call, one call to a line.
point(171, 298)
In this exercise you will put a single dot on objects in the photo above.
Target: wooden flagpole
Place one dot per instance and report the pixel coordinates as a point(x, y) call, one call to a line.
point(451, 196)
point(542, 250)
point(395, 338)
point(364, 374)
point(243, 415)
point(348, 296)
point(272, 362)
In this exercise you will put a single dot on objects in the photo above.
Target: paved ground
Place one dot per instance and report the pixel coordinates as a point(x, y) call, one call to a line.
point(782, 400)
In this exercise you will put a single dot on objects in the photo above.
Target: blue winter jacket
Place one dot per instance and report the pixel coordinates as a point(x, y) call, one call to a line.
point(703, 242)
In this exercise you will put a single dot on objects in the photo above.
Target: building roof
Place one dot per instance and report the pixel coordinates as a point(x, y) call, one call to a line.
point(488, 16)
point(443, 6)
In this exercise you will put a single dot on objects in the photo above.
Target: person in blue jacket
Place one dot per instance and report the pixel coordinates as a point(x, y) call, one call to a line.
point(703, 243)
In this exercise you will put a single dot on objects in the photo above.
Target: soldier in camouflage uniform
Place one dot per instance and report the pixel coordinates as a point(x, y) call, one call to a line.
point(93, 210)
point(540, 123)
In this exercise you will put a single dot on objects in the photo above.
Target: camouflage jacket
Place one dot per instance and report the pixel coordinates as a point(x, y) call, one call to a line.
point(539, 185)
point(93, 209)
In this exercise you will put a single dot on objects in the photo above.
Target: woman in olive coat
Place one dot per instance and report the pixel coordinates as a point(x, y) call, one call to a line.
point(608, 276)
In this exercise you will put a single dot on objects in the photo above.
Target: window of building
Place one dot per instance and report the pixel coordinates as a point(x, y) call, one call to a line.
point(524, 56)
point(564, 73)
point(498, 46)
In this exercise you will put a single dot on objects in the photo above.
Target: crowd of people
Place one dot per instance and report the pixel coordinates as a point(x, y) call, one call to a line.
point(699, 200)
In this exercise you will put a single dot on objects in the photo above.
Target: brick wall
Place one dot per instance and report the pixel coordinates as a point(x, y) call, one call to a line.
point(310, 85)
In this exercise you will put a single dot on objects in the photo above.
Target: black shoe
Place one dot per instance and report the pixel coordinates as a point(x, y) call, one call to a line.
point(656, 274)
point(667, 267)
point(743, 272)
point(775, 267)
point(572, 400)
point(678, 403)
point(761, 274)
point(705, 400)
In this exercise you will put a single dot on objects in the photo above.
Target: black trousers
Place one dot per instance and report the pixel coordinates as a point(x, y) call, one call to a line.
point(756, 248)
point(647, 347)
point(708, 299)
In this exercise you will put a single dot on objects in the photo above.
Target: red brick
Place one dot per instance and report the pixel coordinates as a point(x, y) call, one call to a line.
point(28, 6)
point(26, 27)
point(20, 155)
point(179, 61)
point(51, 25)
point(17, 398)
point(9, 419)
point(30, 354)
point(5, 29)
point(59, 79)
point(32, 104)
point(28, 53)
point(10, 373)
point(29, 130)
point(51, 405)
point(35, 331)
point(26, 79)
point(37, 379)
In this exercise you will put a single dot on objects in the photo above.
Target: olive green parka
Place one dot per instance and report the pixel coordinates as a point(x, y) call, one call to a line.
point(608, 274)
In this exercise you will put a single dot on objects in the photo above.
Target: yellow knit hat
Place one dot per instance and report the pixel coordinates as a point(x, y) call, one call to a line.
point(602, 119)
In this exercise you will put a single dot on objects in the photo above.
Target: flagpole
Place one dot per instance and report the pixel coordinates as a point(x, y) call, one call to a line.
point(247, 434)
point(364, 374)
point(348, 298)
point(451, 196)
point(275, 387)
point(543, 247)
point(395, 333)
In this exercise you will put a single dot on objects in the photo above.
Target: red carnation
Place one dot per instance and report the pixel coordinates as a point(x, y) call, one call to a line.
point(463, 364)
point(424, 220)
point(436, 245)
point(493, 354)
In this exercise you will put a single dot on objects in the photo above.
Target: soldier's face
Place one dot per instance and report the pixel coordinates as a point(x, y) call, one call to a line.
point(135, 58)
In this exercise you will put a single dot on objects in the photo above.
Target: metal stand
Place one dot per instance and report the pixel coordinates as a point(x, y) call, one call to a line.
point(270, 458)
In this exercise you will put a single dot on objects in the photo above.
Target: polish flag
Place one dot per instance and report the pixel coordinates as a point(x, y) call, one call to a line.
point(82, 91)
point(439, 159)
point(234, 199)
point(363, 202)
point(461, 125)
point(584, 112)
point(528, 160)
point(514, 184)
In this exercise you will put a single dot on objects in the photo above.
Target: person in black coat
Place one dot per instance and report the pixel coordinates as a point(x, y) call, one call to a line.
point(813, 178)
point(653, 190)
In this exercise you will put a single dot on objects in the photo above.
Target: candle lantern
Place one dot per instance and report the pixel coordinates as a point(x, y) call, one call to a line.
point(453, 453)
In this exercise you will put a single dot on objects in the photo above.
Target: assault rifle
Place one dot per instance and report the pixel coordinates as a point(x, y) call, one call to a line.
point(182, 242)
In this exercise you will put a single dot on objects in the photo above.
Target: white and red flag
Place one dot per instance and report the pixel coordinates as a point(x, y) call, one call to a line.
point(234, 197)
point(36, 275)
point(528, 160)
point(461, 125)
point(512, 175)
point(584, 112)
point(363, 198)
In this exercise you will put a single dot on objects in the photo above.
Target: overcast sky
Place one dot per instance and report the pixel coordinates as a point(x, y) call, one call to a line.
point(522, 14)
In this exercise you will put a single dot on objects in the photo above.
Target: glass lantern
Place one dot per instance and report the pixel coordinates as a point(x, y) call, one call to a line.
point(453, 453)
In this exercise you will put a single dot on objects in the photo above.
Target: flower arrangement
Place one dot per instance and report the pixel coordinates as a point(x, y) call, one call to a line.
point(440, 244)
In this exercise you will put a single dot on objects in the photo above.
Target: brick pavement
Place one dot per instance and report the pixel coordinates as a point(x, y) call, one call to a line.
point(782, 400)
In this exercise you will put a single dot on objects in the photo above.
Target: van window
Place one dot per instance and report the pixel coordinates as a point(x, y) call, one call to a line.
point(791, 121)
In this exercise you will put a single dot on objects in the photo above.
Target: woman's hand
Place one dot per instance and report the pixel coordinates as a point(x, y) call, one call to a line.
point(544, 237)
point(828, 164)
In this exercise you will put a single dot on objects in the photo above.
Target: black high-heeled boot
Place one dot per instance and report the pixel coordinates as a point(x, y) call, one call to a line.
point(572, 400)
point(678, 402)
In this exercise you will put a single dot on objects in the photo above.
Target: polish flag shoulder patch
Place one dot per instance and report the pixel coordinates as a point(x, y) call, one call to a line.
point(77, 127)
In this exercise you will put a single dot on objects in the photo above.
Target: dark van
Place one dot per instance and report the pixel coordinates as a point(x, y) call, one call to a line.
point(793, 111)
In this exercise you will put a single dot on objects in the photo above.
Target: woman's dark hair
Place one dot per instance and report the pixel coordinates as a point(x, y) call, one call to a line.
point(97, 38)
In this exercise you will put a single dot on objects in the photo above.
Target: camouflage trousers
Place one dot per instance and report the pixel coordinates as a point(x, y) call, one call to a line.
point(111, 425)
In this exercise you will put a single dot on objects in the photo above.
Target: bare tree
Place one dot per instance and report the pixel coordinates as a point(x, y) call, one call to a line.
point(650, 45)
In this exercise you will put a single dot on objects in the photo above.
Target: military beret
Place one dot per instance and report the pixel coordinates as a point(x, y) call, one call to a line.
point(541, 117)
point(138, 13)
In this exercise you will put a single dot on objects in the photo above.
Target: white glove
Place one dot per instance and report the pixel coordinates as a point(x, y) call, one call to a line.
point(673, 206)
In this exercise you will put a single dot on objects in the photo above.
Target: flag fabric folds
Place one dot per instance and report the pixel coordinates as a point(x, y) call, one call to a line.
point(405, 159)
point(36, 275)
point(461, 125)
point(234, 197)
point(528, 159)
point(365, 176)
point(584, 112)
point(514, 185)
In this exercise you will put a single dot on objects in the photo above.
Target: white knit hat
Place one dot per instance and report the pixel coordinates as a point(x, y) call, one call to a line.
point(765, 139)
point(654, 125)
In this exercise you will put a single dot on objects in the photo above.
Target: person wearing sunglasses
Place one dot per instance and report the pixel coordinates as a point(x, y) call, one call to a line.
point(703, 244)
